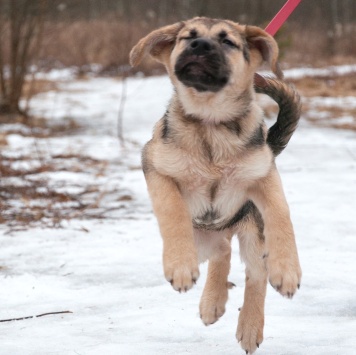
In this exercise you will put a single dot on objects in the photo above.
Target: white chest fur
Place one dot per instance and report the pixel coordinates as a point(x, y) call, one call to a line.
point(215, 188)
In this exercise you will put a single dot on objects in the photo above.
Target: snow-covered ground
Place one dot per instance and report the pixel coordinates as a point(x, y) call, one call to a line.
point(108, 272)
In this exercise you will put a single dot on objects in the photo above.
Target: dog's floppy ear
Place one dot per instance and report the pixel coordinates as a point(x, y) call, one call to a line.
point(260, 41)
point(155, 43)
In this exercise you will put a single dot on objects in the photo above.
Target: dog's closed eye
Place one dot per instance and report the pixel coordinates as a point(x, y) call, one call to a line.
point(186, 38)
point(230, 43)
point(192, 35)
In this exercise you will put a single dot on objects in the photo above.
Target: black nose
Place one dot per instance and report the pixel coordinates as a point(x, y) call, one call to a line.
point(201, 46)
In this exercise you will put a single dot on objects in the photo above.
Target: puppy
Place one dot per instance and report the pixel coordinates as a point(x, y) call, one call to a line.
point(210, 166)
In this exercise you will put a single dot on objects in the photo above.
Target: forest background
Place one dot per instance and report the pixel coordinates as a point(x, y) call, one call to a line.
point(97, 35)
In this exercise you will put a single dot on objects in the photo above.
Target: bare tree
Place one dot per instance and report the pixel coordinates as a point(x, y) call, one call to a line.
point(21, 28)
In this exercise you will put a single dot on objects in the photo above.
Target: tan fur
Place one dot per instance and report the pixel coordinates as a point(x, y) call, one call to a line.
point(251, 318)
point(214, 246)
point(200, 172)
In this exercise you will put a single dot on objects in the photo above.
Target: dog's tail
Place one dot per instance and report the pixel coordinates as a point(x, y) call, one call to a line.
point(289, 104)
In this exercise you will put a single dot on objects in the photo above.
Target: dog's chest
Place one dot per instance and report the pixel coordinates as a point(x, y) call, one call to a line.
point(215, 197)
point(199, 157)
point(214, 183)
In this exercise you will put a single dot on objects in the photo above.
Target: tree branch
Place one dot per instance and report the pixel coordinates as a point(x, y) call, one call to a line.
point(37, 316)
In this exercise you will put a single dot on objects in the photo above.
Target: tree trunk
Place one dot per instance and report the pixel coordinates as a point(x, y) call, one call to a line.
point(24, 25)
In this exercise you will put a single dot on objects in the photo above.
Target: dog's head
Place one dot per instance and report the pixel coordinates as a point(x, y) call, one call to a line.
point(204, 55)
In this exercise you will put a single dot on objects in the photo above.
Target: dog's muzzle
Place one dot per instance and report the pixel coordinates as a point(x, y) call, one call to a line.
point(202, 65)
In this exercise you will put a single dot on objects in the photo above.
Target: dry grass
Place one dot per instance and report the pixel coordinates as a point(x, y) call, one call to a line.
point(39, 127)
point(28, 199)
point(333, 87)
point(108, 42)
point(317, 45)
point(330, 86)
point(34, 87)
point(105, 42)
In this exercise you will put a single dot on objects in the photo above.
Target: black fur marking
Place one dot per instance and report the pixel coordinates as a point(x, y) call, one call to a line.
point(257, 139)
point(207, 150)
point(245, 112)
point(208, 217)
point(281, 132)
point(248, 210)
point(245, 99)
point(191, 119)
point(289, 104)
point(165, 128)
point(246, 52)
point(256, 214)
point(241, 214)
point(207, 222)
point(213, 190)
point(233, 126)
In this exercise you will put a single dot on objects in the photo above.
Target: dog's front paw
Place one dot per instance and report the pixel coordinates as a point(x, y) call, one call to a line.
point(212, 305)
point(284, 274)
point(250, 329)
point(181, 270)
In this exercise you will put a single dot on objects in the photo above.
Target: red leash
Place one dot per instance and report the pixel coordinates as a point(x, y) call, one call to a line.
point(281, 16)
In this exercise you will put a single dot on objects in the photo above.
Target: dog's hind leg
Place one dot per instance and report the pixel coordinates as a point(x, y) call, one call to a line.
point(214, 246)
point(252, 250)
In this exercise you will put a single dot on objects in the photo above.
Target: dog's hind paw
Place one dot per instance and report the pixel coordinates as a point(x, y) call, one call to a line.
point(250, 330)
point(212, 305)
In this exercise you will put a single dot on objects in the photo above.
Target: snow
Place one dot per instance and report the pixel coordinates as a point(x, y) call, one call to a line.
point(108, 272)
point(345, 101)
point(297, 73)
